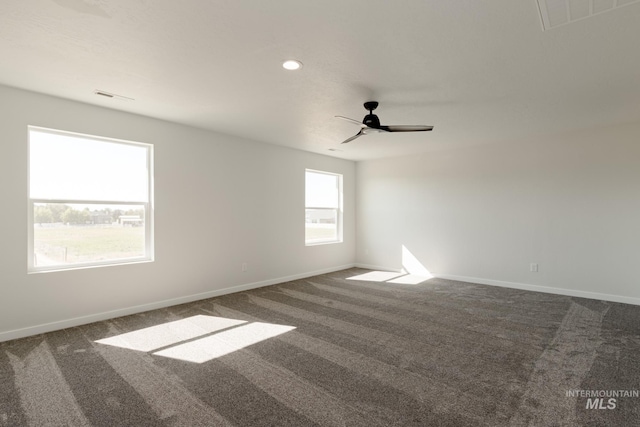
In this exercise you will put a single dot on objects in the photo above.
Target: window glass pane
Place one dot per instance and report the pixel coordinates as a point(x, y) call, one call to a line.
point(321, 225)
point(69, 167)
point(90, 201)
point(66, 234)
point(322, 190)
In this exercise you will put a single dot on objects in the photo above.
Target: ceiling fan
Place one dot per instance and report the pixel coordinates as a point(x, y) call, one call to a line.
point(371, 123)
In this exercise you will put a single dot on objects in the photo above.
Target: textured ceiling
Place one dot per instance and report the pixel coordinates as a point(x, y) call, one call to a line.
point(480, 71)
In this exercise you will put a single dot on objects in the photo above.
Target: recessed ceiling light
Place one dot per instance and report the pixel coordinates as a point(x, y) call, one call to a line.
point(291, 65)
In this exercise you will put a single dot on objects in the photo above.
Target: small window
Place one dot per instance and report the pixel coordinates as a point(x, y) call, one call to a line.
point(90, 201)
point(323, 213)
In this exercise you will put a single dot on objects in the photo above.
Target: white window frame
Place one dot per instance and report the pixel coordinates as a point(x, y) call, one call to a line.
point(148, 208)
point(338, 210)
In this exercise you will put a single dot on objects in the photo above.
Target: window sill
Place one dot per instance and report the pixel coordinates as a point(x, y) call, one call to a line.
point(331, 242)
point(58, 268)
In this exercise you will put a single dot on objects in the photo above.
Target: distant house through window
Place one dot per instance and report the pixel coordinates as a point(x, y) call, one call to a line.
point(90, 201)
point(323, 213)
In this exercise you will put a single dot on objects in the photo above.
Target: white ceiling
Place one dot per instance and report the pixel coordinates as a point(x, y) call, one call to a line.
point(480, 71)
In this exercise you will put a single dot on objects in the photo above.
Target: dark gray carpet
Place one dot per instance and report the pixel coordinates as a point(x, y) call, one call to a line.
point(337, 352)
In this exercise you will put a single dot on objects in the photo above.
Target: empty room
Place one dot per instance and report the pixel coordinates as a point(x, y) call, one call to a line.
point(289, 213)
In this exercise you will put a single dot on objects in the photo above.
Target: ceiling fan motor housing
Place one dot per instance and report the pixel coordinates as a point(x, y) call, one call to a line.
point(371, 120)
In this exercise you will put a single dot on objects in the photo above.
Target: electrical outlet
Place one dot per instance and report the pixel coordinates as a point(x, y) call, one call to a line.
point(534, 267)
point(245, 266)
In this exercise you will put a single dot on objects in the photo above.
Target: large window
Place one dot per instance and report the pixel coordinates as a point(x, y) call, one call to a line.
point(323, 213)
point(90, 201)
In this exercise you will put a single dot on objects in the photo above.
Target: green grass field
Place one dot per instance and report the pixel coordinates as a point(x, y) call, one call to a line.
point(74, 244)
point(78, 244)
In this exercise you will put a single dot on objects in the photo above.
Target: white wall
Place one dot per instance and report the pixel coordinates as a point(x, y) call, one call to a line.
point(220, 201)
point(569, 203)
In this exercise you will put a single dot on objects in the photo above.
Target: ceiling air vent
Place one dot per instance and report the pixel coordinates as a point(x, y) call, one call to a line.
point(112, 95)
point(559, 12)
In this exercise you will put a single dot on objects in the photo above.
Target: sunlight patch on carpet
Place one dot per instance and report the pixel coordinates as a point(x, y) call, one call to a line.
point(198, 338)
point(413, 272)
point(391, 277)
point(166, 334)
point(376, 276)
point(410, 279)
point(223, 343)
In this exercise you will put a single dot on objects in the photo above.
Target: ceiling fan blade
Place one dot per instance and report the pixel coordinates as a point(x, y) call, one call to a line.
point(362, 125)
point(406, 128)
point(353, 137)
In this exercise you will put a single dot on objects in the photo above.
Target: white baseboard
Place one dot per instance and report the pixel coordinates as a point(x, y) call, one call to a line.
point(545, 289)
point(523, 286)
point(77, 321)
